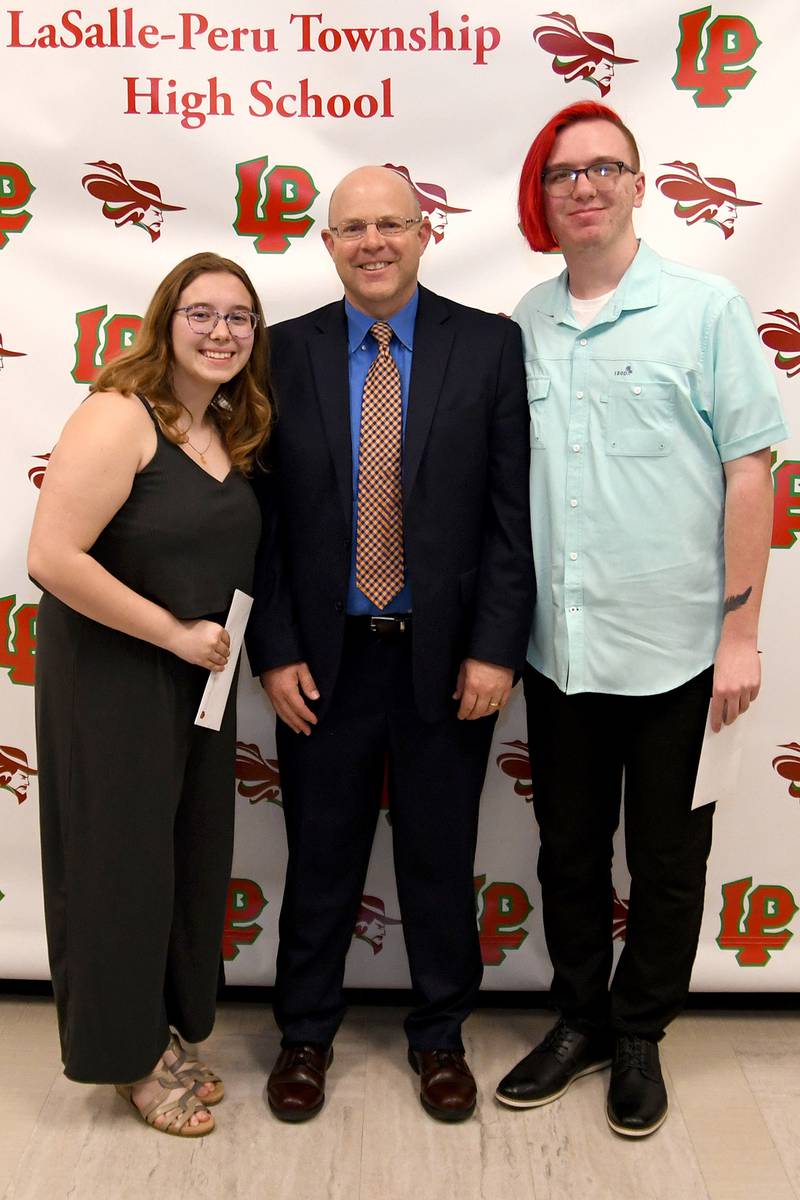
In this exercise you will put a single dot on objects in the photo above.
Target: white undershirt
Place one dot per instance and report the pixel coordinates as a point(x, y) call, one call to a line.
point(585, 311)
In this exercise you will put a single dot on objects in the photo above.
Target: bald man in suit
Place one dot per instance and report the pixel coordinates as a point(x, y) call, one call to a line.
point(392, 608)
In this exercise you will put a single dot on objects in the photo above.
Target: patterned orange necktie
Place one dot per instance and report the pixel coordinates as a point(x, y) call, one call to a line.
point(379, 529)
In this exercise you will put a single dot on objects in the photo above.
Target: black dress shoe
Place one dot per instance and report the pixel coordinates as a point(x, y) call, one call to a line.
point(447, 1088)
point(296, 1084)
point(637, 1098)
point(545, 1074)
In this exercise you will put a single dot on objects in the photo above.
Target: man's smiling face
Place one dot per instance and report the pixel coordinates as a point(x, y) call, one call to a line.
point(379, 273)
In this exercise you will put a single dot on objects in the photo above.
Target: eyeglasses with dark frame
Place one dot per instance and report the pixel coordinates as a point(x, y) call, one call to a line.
point(386, 226)
point(602, 175)
point(201, 318)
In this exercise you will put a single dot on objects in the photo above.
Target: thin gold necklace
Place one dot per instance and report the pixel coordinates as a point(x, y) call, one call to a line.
point(201, 453)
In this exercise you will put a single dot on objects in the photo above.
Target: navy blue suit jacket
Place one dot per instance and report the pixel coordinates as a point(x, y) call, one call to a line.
point(465, 499)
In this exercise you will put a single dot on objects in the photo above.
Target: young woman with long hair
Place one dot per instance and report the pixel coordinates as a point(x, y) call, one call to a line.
point(146, 525)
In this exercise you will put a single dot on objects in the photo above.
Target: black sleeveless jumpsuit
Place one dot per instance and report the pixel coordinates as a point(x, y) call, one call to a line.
point(136, 801)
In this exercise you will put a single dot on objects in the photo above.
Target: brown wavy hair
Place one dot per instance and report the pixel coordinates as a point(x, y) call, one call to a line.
point(243, 410)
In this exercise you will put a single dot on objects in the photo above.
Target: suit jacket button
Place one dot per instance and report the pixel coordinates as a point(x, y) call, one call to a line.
point(347, 543)
point(339, 606)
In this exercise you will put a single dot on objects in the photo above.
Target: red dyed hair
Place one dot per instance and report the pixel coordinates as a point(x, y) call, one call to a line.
point(532, 220)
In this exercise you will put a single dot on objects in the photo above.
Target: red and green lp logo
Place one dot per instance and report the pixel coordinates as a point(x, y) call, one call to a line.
point(16, 190)
point(712, 53)
point(18, 639)
point(786, 507)
point(246, 902)
point(101, 338)
point(272, 204)
point(503, 908)
point(754, 921)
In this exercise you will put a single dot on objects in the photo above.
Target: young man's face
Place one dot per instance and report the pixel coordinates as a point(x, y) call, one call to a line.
point(588, 219)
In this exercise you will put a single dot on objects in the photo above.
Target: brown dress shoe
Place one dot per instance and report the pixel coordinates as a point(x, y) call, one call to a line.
point(447, 1088)
point(296, 1085)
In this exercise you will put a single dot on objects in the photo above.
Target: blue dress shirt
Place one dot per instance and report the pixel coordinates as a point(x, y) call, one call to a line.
point(363, 350)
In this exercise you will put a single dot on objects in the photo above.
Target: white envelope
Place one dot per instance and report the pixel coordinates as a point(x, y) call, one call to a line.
point(720, 762)
point(217, 689)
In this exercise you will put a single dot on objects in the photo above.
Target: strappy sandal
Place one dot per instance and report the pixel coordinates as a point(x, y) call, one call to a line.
point(178, 1112)
point(193, 1074)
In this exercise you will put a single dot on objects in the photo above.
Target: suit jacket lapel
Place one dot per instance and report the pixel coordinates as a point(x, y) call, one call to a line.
point(328, 352)
point(433, 339)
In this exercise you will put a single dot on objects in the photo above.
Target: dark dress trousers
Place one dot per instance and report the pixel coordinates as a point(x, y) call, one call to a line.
point(468, 559)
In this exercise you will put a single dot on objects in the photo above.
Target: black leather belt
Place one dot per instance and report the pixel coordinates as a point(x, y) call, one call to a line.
point(385, 627)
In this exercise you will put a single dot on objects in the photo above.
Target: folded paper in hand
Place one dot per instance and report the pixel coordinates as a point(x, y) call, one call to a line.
point(217, 690)
point(720, 762)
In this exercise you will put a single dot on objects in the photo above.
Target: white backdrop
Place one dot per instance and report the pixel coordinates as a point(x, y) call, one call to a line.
point(134, 136)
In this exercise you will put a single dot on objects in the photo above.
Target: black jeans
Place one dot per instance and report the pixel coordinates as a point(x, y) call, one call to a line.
point(580, 745)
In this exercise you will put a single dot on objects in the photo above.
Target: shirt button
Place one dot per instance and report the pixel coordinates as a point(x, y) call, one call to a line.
point(576, 448)
point(573, 503)
point(574, 609)
point(573, 555)
point(583, 341)
point(637, 391)
point(579, 395)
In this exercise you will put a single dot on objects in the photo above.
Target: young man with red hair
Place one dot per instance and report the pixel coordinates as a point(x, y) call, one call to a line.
point(652, 414)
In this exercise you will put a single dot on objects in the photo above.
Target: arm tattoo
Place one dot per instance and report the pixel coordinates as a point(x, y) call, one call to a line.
point(734, 602)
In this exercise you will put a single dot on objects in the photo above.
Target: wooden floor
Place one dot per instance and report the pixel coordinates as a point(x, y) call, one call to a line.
point(733, 1132)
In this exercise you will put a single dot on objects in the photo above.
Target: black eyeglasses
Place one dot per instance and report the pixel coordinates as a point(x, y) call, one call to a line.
point(601, 175)
point(203, 319)
point(386, 226)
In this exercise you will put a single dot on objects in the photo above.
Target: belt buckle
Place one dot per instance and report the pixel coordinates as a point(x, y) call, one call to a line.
point(384, 626)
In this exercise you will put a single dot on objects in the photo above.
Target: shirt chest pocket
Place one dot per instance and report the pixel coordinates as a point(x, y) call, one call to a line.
point(639, 419)
point(538, 388)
